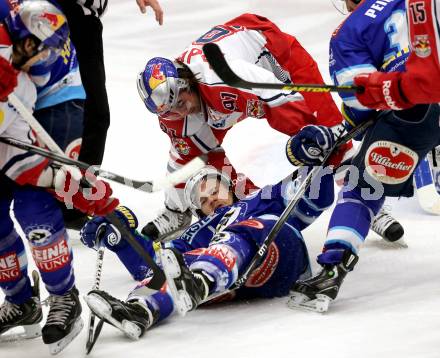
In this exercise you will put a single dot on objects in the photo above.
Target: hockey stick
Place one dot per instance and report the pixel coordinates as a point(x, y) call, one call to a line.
point(424, 181)
point(294, 201)
point(92, 334)
point(218, 63)
point(158, 278)
point(166, 182)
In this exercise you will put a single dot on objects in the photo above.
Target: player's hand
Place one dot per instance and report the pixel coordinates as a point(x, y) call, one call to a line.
point(100, 229)
point(154, 4)
point(381, 91)
point(310, 145)
point(91, 196)
point(8, 79)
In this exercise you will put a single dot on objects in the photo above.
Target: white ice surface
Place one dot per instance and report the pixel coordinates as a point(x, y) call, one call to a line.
point(388, 307)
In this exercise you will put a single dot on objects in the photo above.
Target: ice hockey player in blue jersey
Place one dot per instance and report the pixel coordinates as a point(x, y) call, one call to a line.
point(373, 37)
point(214, 252)
point(60, 97)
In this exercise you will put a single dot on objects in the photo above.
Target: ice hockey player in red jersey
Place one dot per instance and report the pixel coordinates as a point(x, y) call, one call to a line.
point(30, 183)
point(196, 109)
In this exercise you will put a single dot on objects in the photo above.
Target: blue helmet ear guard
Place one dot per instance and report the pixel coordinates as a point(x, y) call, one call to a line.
point(41, 19)
point(159, 85)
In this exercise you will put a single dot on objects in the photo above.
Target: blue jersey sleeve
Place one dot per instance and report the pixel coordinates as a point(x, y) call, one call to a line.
point(372, 38)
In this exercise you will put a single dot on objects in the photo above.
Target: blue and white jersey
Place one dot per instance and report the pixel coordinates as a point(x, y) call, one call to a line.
point(57, 78)
point(373, 37)
point(268, 203)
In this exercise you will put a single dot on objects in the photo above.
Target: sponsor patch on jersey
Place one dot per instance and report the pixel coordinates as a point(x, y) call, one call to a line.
point(252, 223)
point(264, 272)
point(224, 254)
point(421, 46)
point(52, 257)
point(254, 108)
point(9, 267)
point(389, 162)
point(2, 117)
point(181, 146)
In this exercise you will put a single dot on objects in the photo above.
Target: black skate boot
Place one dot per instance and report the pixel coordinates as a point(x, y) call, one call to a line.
point(316, 293)
point(188, 288)
point(64, 321)
point(27, 315)
point(133, 318)
point(388, 228)
point(168, 225)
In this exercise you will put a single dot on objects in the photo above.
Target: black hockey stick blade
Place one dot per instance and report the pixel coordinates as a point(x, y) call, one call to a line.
point(170, 180)
point(91, 343)
point(220, 66)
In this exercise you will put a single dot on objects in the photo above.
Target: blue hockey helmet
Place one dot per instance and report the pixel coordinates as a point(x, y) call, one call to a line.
point(41, 19)
point(159, 85)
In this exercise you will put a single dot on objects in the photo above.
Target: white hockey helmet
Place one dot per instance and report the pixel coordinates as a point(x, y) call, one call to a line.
point(192, 187)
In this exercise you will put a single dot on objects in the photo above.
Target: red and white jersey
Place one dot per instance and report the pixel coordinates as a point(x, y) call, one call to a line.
point(17, 164)
point(260, 52)
point(421, 81)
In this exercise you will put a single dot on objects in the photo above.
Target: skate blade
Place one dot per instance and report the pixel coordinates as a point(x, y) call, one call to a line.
point(57, 347)
point(30, 332)
point(171, 268)
point(103, 310)
point(300, 301)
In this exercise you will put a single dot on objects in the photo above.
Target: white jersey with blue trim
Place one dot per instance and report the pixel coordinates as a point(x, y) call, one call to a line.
point(373, 37)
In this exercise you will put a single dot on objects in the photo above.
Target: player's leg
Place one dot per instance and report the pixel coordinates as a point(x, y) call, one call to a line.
point(22, 302)
point(41, 220)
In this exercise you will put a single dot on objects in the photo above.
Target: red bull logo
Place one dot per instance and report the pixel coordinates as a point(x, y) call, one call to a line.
point(157, 76)
point(55, 20)
point(421, 46)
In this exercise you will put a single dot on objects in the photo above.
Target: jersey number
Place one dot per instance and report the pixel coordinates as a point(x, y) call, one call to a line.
point(418, 12)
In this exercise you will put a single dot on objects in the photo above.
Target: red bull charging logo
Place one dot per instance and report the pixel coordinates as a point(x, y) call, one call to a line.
point(55, 20)
point(157, 77)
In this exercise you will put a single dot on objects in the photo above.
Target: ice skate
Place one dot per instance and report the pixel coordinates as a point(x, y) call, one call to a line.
point(64, 321)
point(388, 228)
point(132, 318)
point(168, 225)
point(316, 293)
point(27, 315)
point(188, 288)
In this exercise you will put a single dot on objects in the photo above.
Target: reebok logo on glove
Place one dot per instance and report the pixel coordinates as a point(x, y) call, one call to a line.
point(387, 95)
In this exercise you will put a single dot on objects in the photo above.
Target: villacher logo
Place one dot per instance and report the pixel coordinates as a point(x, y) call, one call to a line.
point(389, 162)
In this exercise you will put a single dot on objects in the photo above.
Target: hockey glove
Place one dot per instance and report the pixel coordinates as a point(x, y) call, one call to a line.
point(8, 76)
point(310, 145)
point(99, 228)
point(381, 91)
point(92, 197)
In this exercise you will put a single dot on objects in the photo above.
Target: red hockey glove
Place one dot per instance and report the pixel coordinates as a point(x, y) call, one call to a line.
point(381, 91)
point(92, 200)
point(8, 79)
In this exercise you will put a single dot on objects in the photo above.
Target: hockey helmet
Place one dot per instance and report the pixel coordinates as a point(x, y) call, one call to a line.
point(41, 19)
point(192, 187)
point(159, 85)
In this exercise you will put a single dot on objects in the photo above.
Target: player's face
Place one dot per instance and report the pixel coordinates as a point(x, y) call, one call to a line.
point(187, 103)
point(214, 194)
